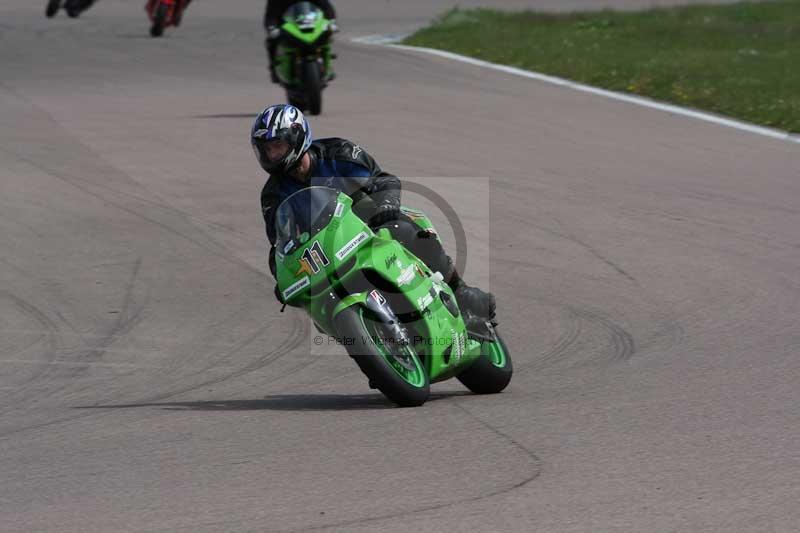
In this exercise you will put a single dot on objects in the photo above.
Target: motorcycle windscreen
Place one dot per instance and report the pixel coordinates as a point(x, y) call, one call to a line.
point(304, 14)
point(303, 214)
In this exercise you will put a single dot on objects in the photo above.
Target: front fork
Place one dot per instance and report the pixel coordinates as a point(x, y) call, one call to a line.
point(379, 309)
point(327, 59)
point(288, 63)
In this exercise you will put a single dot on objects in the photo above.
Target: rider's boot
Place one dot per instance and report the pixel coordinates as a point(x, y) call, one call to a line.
point(476, 305)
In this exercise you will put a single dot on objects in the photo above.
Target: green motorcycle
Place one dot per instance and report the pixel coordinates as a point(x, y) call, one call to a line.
point(365, 290)
point(303, 56)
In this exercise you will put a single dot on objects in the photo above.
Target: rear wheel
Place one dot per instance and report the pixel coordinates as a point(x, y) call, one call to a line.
point(73, 8)
point(52, 8)
point(312, 82)
point(159, 20)
point(491, 372)
point(392, 366)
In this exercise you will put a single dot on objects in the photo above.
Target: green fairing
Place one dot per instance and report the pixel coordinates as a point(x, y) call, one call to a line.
point(287, 54)
point(308, 37)
point(350, 247)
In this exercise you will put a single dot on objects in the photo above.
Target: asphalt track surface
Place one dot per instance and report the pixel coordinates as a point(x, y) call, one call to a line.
point(646, 265)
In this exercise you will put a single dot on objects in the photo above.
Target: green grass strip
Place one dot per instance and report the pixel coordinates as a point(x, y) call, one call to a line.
point(740, 60)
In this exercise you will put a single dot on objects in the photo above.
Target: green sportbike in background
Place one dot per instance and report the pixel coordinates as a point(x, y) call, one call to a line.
point(367, 292)
point(303, 56)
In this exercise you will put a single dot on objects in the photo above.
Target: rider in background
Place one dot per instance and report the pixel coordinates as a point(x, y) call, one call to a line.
point(272, 21)
point(73, 7)
point(281, 139)
point(177, 15)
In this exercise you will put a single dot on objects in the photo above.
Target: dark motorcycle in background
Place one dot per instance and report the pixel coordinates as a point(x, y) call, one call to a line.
point(72, 7)
point(303, 56)
point(164, 13)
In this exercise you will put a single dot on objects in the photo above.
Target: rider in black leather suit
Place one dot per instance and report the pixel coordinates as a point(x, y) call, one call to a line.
point(281, 139)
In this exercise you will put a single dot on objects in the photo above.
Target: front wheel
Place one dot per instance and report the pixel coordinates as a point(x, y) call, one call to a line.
point(294, 99)
point(491, 372)
point(52, 8)
point(391, 365)
point(312, 82)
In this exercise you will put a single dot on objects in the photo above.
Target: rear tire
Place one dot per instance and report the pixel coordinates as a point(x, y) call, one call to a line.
point(73, 8)
point(52, 8)
point(159, 20)
point(312, 82)
point(391, 367)
point(491, 372)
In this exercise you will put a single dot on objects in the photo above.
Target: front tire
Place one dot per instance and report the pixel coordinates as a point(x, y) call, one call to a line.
point(293, 99)
point(492, 371)
point(391, 367)
point(312, 81)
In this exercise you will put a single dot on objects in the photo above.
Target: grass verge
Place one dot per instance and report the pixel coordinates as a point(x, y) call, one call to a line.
point(740, 60)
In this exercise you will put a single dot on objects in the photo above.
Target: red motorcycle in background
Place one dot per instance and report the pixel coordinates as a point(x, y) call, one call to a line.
point(164, 13)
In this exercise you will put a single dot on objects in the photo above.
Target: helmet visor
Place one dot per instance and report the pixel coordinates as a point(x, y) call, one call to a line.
point(274, 150)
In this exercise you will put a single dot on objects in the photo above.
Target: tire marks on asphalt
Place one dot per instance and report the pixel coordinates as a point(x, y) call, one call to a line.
point(534, 471)
point(49, 337)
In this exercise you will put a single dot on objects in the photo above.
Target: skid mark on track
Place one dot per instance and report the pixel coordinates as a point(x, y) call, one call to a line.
point(81, 360)
point(579, 323)
point(563, 344)
point(535, 465)
point(122, 200)
point(294, 339)
point(622, 343)
point(115, 196)
point(128, 317)
point(212, 246)
point(80, 363)
point(50, 337)
point(670, 334)
point(566, 234)
point(569, 236)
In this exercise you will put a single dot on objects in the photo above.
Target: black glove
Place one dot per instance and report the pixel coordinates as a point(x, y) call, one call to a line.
point(272, 267)
point(383, 214)
point(273, 32)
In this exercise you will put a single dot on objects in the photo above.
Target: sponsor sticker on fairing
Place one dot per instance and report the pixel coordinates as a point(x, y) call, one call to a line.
point(348, 248)
point(406, 276)
point(296, 287)
point(378, 297)
point(424, 301)
point(339, 210)
point(459, 343)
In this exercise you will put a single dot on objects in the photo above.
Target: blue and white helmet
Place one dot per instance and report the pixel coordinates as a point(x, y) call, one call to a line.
point(278, 123)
